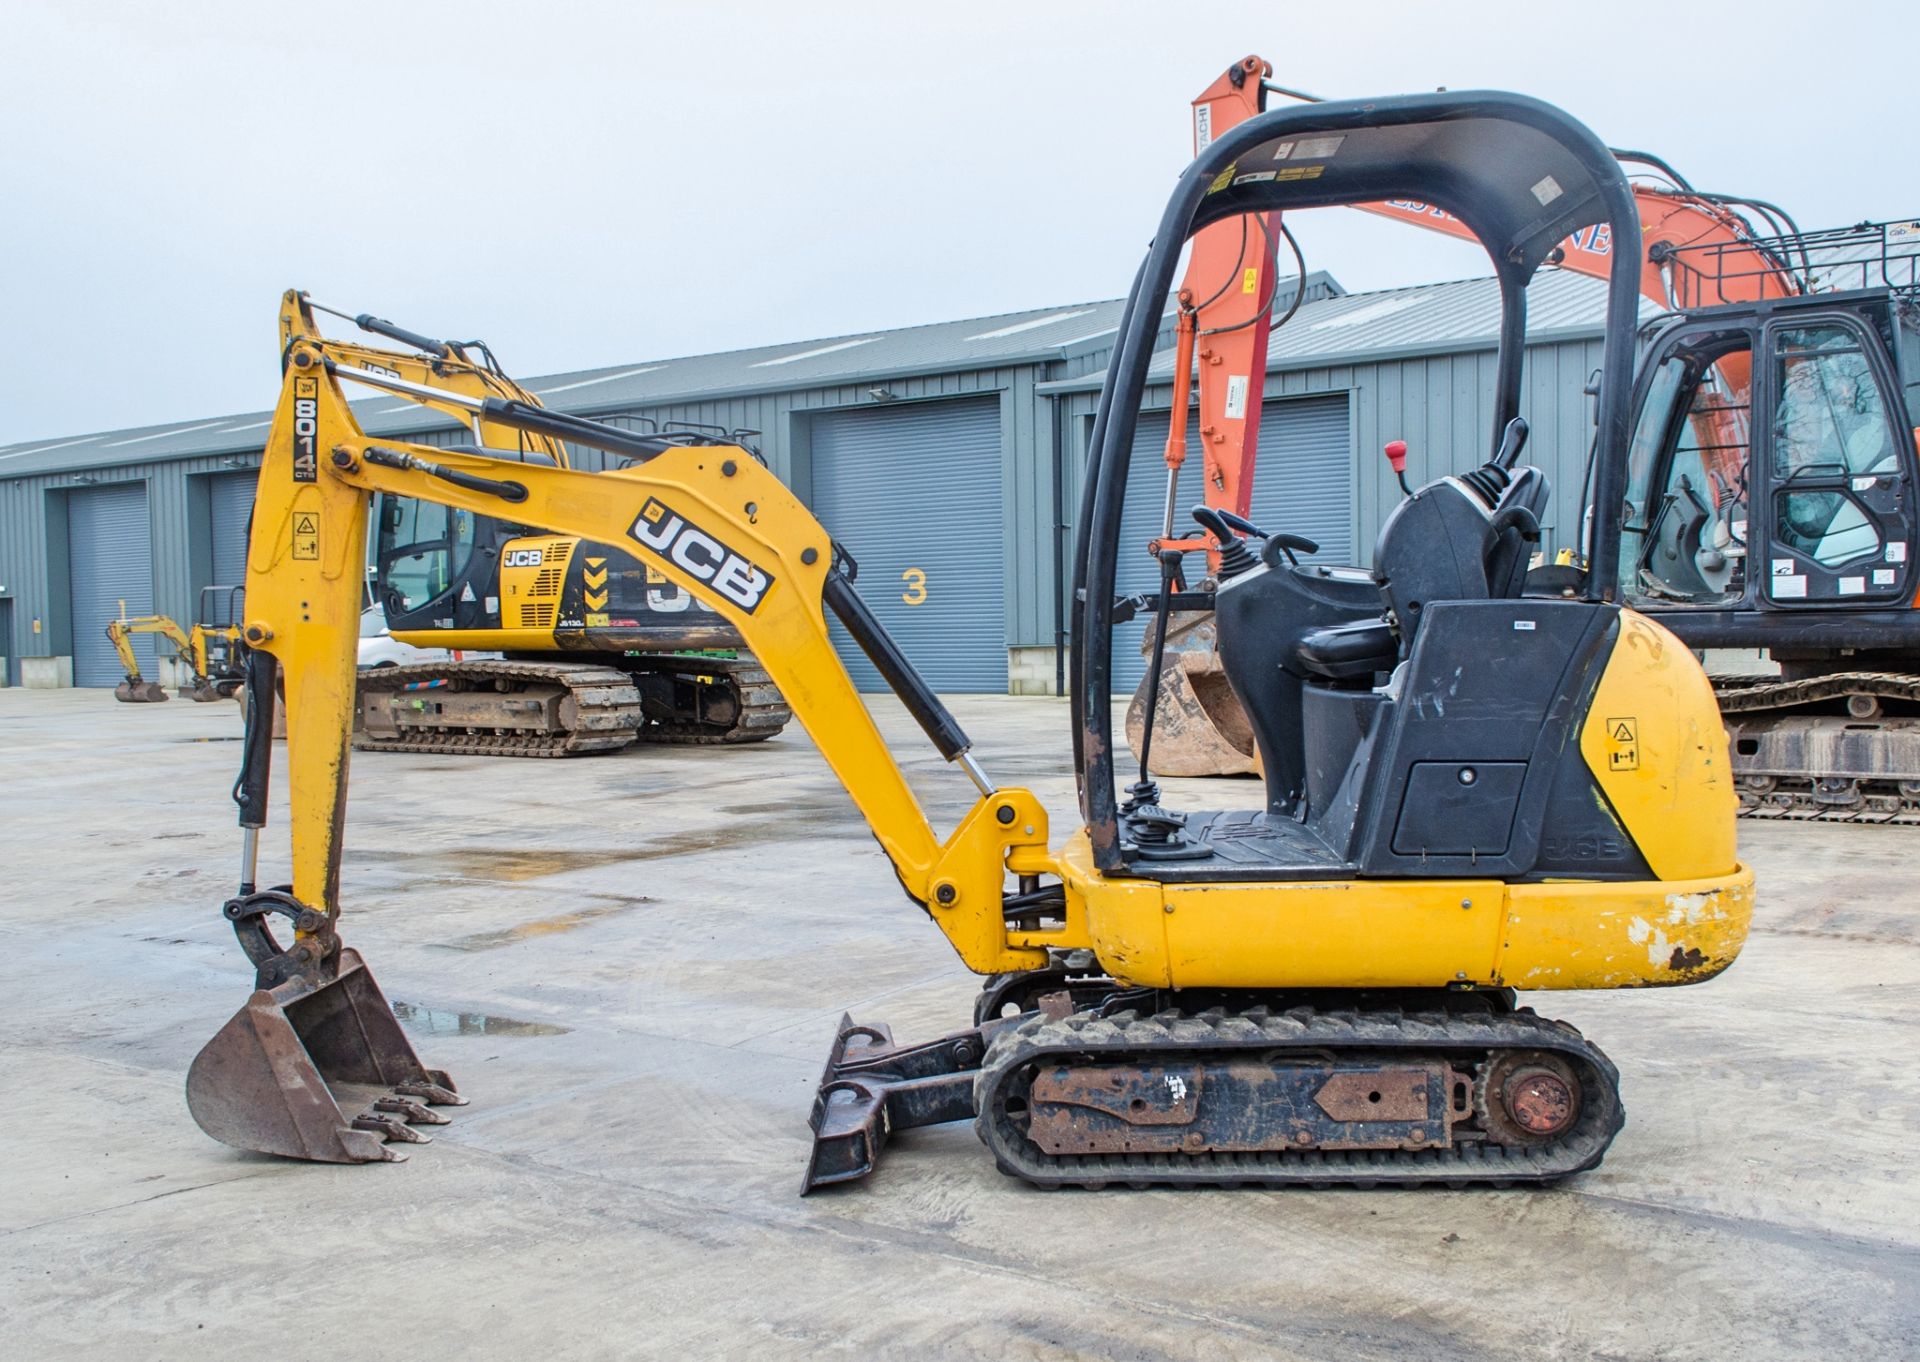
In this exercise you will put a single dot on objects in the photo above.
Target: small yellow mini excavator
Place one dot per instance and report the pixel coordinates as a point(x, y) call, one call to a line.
point(210, 651)
point(1474, 782)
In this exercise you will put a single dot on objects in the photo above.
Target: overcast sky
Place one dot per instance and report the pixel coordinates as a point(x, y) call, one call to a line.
point(595, 183)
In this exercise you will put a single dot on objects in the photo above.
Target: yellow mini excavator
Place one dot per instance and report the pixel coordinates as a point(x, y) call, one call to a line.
point(1471, 787)
point(210, 651)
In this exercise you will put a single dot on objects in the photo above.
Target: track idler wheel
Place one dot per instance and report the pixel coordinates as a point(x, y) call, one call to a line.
point(1527, 1097)
point(139, 692)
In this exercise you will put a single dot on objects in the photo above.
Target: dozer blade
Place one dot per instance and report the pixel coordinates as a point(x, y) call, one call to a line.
point(1199, 728)
point(872, 1088)
point(140, 693)
point(316, 1073)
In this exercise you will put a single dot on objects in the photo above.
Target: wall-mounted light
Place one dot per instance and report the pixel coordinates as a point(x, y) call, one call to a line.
point(882, 394)
point(82, 480)
point(237, 462)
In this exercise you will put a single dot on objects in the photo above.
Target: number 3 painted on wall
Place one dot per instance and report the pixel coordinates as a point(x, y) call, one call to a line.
point(916, 581)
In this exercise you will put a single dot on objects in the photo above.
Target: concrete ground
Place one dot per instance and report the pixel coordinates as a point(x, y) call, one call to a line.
point(633, 965)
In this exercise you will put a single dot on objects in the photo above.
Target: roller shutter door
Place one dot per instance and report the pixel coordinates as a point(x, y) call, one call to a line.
point(109, 559)
point(1303, 484)
point(914, 493)
point(230, 498)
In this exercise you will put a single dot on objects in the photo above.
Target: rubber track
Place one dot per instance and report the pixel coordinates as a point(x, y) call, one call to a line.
point(761, 710)
point(1881, 802)
point(1172, 1037)
point(604, 697)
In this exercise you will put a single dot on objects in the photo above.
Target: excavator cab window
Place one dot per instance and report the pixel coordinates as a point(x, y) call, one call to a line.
point(423, 551)
point(1684, 536)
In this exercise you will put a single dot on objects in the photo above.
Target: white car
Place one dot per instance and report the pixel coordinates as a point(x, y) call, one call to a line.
point(379, 648)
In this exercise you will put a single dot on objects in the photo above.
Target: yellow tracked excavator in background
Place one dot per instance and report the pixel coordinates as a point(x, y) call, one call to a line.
point(596, 651)
point(1470, 789)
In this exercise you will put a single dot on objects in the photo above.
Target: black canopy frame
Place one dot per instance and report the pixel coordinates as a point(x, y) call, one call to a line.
point(1522, 174)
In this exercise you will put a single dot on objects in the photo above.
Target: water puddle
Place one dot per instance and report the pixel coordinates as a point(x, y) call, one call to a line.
point(551, 926)
point(428, 1021)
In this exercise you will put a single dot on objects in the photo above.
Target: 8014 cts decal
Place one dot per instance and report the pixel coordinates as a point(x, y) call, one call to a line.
point(674, 537)
point(306, 429)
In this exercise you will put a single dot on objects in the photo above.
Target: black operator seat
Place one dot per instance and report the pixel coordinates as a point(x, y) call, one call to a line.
point(1456, 539)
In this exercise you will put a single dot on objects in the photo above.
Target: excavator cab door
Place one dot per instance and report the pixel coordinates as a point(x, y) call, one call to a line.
point(427, 572)
point(1685, 531)
point(1837, 464)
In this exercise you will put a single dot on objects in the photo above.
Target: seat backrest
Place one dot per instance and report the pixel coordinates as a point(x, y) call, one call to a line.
point(1433, 547)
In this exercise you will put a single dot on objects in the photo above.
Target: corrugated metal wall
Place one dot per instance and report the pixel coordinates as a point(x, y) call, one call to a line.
point(33, 544)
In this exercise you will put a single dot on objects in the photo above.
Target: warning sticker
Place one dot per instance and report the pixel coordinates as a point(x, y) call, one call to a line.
point(1623, 744)
point(1897, 552)
point(1547, 190)
point(1853, 586)
point(1790, 586)
point(306, 536)
point(1249, 280)
point(1883, 576)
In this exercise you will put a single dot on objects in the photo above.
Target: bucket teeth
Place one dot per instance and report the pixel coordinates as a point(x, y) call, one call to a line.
point(390, 1128)
point(437, 1094)
point(412, 1112)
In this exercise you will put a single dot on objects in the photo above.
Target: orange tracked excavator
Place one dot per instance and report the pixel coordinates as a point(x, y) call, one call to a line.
point(1825, 485)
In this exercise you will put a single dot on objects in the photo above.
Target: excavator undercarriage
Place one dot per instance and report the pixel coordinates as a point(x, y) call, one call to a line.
point(1146, 1088)
point(1838, 747)
point(532, 707)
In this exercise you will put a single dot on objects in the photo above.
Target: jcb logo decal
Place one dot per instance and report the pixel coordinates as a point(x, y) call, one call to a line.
point(674, 537)
point(524, 558)
point(306, 429)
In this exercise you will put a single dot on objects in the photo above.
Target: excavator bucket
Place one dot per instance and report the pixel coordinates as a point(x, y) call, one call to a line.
point(140, 692)
point(320, 1073)
point(204, 692)
point(1199, 727)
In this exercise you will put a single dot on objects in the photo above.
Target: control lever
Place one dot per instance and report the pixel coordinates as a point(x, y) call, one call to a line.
point(1287, 545)
point(1396, 452)
point(1512, 440)
point(1242, 524)
point(1234, 558)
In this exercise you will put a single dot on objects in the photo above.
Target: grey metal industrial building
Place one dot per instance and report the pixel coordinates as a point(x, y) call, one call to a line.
point(946, 457)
